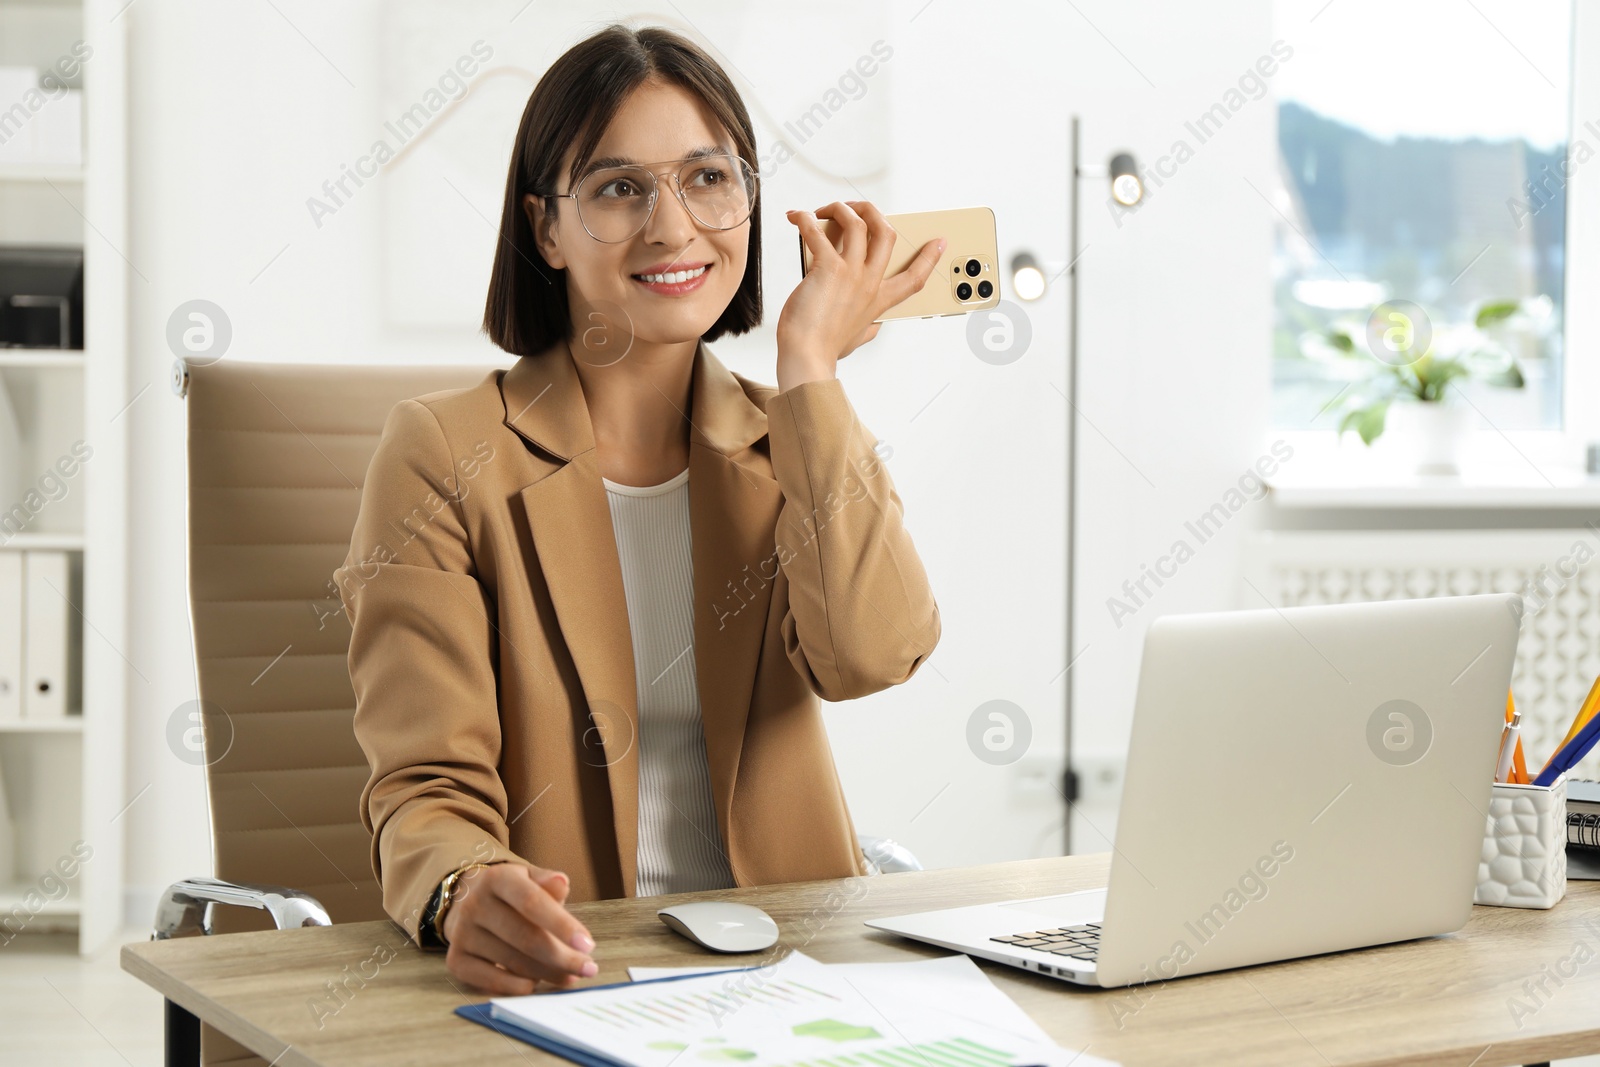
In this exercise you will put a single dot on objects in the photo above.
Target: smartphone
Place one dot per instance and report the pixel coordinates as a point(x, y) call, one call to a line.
point(967, 276)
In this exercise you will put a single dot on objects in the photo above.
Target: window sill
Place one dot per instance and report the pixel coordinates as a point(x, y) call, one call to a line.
point(1512, 471)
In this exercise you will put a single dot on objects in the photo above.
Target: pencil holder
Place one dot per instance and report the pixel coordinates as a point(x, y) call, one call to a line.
point(1524, 859)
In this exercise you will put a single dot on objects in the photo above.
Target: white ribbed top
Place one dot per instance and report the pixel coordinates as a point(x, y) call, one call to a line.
point(679, 850)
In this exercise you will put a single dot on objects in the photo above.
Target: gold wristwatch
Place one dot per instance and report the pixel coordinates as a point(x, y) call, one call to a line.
point(446, 893)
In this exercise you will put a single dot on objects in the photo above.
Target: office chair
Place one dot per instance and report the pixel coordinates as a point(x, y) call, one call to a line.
point(277, 456)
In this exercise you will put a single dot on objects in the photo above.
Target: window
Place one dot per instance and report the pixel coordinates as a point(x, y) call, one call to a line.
point(1421, 157)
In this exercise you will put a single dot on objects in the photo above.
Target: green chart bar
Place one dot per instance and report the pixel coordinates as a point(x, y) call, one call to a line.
point(958, 1052)
point(879, 1059)
point(941, 1052)
point(947, 1055)
point(905, 1057)
point(993, 1054)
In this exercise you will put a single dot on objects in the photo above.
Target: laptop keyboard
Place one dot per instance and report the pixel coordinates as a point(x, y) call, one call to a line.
point(1078, 942)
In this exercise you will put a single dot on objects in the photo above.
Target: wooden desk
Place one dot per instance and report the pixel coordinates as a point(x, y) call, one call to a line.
point(1446, 1000)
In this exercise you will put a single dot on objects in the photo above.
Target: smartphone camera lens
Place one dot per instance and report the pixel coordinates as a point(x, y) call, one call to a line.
point(964, 291)
point(973, 267)
point(985, 289)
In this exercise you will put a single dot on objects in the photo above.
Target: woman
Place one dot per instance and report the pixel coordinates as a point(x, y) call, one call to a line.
point(562, 693)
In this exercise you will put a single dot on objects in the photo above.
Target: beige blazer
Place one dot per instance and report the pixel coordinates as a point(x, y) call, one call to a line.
point(490, 652)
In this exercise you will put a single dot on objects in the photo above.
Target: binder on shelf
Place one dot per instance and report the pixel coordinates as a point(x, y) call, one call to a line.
point(12, 481)
point(44, 641)
point(15, 84)
point(58, 129)
point(8, 836)
point(10, 636)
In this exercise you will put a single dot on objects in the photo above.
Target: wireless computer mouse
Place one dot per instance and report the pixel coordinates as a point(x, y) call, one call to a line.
point(722, 927)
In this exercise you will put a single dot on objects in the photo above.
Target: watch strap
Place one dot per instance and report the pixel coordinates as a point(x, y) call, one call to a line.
point(427, 936)
point(443, 897)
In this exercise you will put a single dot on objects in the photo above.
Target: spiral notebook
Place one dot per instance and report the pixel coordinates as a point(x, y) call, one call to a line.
point(1583, 829)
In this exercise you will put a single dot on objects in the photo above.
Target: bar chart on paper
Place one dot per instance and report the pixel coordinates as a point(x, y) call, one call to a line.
point(796, 1013)
point(957, 1052)
point(692, 1007)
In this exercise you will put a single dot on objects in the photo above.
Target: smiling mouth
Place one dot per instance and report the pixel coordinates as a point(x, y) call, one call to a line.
point(672, 277)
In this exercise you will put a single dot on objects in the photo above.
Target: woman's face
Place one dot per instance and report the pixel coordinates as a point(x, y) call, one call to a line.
point(658, 123)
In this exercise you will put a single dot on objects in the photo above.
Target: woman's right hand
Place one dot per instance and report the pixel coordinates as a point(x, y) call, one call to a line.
point(509, 930)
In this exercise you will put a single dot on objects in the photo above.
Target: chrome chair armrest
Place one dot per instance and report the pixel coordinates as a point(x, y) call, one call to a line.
point(184, 908)
point(886, 856)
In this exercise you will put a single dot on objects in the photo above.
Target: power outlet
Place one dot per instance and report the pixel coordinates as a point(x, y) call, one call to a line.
point(1099, 779)
point(1038, 777)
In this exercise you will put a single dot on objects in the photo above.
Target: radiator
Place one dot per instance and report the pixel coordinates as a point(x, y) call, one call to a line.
point(1556, 571)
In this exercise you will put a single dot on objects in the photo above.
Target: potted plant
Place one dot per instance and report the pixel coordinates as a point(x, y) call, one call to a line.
point(1402, 369)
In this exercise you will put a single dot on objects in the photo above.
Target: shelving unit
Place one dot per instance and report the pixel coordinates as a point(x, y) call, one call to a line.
point(39, 172)
point(63, 778)
point(70, 540)
point(72, 724)
point(12, 357)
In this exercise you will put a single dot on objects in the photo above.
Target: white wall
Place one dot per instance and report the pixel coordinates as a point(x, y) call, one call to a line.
point(1173, 378)
point(238, 114)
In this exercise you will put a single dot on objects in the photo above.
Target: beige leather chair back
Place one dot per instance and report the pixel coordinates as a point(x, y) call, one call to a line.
point(277, 456)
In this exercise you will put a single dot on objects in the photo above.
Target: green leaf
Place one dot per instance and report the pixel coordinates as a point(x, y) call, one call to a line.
point(1372, 422)
point(1434, 374)
point(1497, 311)
point(1367, 421)
point(1510, 378)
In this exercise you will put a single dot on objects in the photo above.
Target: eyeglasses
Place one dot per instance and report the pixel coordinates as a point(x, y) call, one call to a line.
point(615, 203)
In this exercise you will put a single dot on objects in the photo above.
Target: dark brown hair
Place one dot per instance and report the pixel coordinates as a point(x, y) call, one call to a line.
point(573, 104)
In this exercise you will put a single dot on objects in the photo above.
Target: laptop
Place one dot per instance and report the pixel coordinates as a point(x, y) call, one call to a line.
point(1298, 781)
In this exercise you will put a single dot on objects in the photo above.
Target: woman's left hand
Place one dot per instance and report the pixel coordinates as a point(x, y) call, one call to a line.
point(830, 313)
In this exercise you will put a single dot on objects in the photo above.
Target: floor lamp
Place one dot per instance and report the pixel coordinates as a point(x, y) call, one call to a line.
point(1028, 282)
